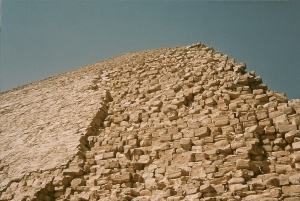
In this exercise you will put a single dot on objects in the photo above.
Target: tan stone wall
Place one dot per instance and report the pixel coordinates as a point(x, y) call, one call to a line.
point(184, 123)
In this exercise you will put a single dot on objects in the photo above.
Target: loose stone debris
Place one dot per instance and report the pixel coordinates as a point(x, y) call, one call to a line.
point(184, 123)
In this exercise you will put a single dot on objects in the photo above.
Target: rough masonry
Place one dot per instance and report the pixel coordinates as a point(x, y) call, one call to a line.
point(184, 123)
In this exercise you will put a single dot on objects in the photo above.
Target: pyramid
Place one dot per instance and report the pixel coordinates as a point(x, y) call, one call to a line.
point(183, 123)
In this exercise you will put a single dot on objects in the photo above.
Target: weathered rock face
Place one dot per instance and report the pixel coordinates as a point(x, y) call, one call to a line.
point(185, 123)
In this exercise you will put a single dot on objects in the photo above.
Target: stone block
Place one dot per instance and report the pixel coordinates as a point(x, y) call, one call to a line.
point(166, 137)
point(220, 122)
point(296, 156)
point(77, 182)
point(283, 169)
point(269, 130)
point(207, 188)
point(109, 155)
point(272, 182)
point(291, 190)
point(202, 132)
point(294, 178)
point(173, 130)
point(275, 114)
point(280, 142)
point(237, 144)
point(289, 137)
point(261, 115)
point(210, 102)
point(255, 129)
point(198, 172)
point(296, 146)
point(242, 164)
point(122, 178)
point(286, 128)
point(194, 125)
point(257, 185)
point(186, 143)
point(150, 184)
point(73, 171)
point(210, 169)
point(265, 122)
point(239, 180)
point(262, 97)
point(238, 187)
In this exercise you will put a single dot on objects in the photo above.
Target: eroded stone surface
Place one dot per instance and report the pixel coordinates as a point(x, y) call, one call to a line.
point(184, 123)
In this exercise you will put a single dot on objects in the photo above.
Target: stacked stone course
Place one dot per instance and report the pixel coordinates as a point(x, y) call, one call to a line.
point(183, 123)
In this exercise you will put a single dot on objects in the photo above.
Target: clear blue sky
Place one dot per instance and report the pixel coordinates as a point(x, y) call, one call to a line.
point(40, 39)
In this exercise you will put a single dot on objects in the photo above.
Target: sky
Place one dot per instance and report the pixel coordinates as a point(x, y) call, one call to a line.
point(43, 38)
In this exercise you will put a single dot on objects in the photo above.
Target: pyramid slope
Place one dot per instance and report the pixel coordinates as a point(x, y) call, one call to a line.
point(183, 123)
point(42, 123)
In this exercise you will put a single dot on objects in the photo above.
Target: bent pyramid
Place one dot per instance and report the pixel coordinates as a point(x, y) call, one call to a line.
point(183, 123)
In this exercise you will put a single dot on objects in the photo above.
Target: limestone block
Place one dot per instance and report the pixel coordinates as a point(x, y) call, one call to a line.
point(166, 137)
point(186, 133)
point(296, 146)
point(261, 115)
point(275, 114)
point(210, 169)
point(261, 197)
point(73, 171)
point(258, 91)
point(255, 129)
point(275, 192)
point(290, 190)
point(135, 118)
point(219, 188)
point(117, 119)
point(186, 143)
point(210, 102)
point(145, 160)
point(296, 156)
point(283, 180)
point(286, 128)
point(249, 123)
point(294, 178)
point(198, 172)
point(123, 178)
point(194, 125)
point(288, 110)
point(77, 182)
point(179, 135)
point(60, 181)
point(199, 156)
point(262, 97)
point(280, 120)
point(109, 155)
point(238, 187)
point(150, 183)
point(146, 142)
point(255, 149)
point(242, 164)
point(296, 198)
point(283, 169)
point(202, 132)
point(236, 181)
point(280, 97)
point(221, 122)
point(280, 142)
point(280, 153)
point(289, 137)
point(207, 188)
point(266, 122)
point(257, 184)
point(181, 160)
point(269, 130)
